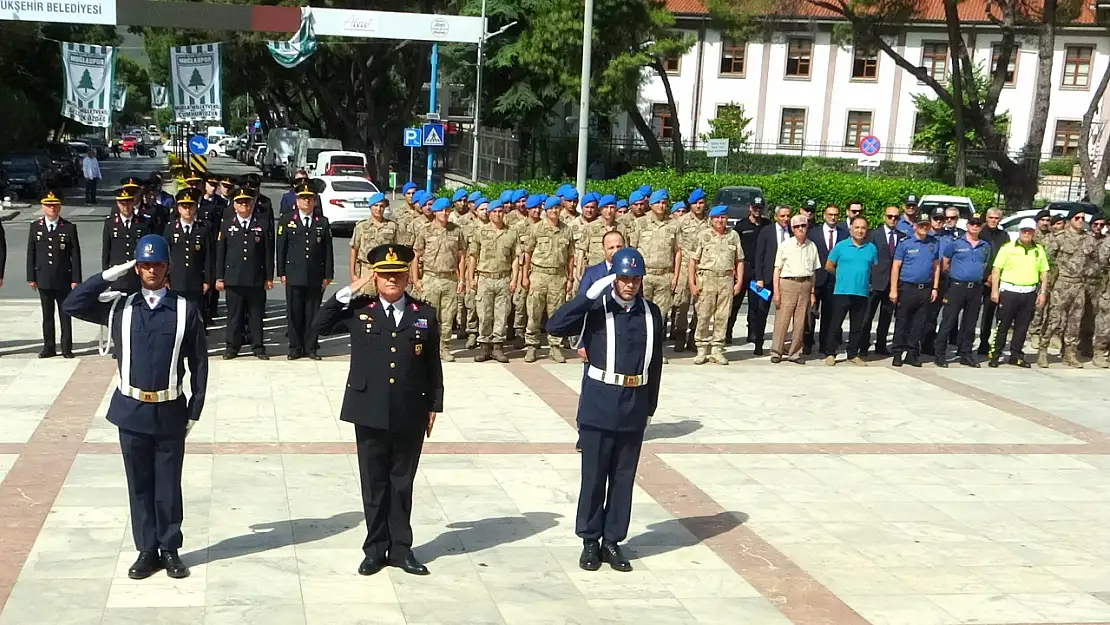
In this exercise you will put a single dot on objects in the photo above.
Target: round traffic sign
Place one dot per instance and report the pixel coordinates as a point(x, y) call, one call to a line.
point(198, 145)
point(869, 145)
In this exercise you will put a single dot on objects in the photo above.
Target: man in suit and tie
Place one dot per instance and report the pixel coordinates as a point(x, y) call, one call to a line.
point(825, 237)
point(885, 238)
point(766, 246)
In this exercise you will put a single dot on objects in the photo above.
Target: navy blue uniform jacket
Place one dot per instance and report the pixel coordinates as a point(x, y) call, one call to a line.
point(592, 274)
point(606, 406)
point(151, 349)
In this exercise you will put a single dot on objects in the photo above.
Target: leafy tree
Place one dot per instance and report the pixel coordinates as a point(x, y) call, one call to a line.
point(730, 123)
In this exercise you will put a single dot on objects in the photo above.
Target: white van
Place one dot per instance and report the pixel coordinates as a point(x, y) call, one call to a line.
point(281, 145)
point(308, 149)
point(339, 163)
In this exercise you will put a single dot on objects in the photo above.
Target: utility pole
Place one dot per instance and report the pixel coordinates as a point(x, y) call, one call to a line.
point(584, 97)
point(478, 87)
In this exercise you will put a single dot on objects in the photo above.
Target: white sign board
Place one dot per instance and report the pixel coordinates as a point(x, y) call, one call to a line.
point(868, 161)
point(393, 25)
point(89, 73)
point(718, 148)
point(196, 87)
point(68, 11)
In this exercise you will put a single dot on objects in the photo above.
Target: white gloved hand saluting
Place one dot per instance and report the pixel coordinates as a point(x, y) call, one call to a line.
point(112, 274)
point(602, 285)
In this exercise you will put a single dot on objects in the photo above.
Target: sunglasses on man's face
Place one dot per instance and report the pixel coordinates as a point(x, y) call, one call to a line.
point(1077, 218)
point(895, 216)
point(937, 218)
point(797, 227)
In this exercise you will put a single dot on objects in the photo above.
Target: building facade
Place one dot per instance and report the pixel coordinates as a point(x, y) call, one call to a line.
point(806, 94)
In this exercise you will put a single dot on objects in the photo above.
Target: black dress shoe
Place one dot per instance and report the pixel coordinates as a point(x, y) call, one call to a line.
point(882, 351)
point(940, 362)
point(175, 568)
point(411, 566)
point(807, 351)
point(371, 565)
point(1020, 362)
point(590, 560)
point(314, 356)
point(47, 353)
point(758, 350)
point(145, 566)
point(913, 361)
point(230, 355)
point(67, 354)
point(611, 553)
point(897, 362)
point(261, 356)
point(993, 362)
point(969, 361)
point(294, 356)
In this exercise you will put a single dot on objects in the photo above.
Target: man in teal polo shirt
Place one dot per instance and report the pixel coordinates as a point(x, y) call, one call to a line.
point(850, 261)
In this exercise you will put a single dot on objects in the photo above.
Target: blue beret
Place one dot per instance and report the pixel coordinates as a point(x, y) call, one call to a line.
point(636, 196)
point(506, 196)
point(480, 202)
point(607, 199)
point(570, 194)
point(698, 194)
point(474, 196)
point(519, 194)
point(533, 201)
point(645, 189)
point(375, 198)
point(563, 188)
point(679, 205)
point(658, 196)
point(552, 202)
point(622, 203)
point(408, 186)
point(459, 195)
point(440, 204)
point(590, 197)
point(418, 197)
point(719, 211)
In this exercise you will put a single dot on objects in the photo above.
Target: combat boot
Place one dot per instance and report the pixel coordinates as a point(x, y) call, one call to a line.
point(1100, 360)
point(1070, 358)
point(1042, 357)
point(471, 341)
point(499, 353)
point(530, 354)
point(445, 355)
point(483, 353)
point(556, 354)
point(717, 355)
point(702, 357)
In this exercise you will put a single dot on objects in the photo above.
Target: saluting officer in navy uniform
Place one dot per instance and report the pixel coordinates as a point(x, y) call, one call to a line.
point(155, 333)
point(122, 231)
point(306, 266)
point(244, 272)
point(53, 268)
point(394, 390)
point(623, 336)
point(192, 252)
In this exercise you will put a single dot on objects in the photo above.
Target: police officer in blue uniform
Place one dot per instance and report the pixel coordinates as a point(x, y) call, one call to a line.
point(914, 284)
point(394, 390)
point(946, 233)
point(965, 260)
point(155, 332)
point(122, 231)
point(623, 336)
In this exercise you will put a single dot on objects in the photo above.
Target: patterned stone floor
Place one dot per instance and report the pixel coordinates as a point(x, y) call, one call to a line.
point(766, 495)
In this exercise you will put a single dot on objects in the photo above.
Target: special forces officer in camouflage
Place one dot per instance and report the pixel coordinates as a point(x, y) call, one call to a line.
point(1101, 341)
point(442, 247)
point(547, 276)
point(637, 208)
point(589, 247)
point(368, 234)
point(492, 270)
point(713, 270)
point(657, 238)
point(420, 221)
point(1075, 254)
point(690, 226)
point(518, 309)
point(468, 317)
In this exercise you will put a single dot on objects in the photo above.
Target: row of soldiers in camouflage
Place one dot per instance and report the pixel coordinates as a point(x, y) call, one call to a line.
point(1077, 310)
point(496, 269)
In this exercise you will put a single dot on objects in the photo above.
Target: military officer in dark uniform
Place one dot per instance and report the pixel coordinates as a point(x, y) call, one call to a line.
point(53, 268)
point(244, 272)
point(623, 336)
point(263, 205)
point(122, 230)
point(394, 390)
point(156, 204)
point(155, 333)
point(192, 252)
point(306, 266)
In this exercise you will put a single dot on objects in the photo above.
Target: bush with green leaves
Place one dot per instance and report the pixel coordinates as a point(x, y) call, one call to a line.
point(790, 188)
point(1062, 166)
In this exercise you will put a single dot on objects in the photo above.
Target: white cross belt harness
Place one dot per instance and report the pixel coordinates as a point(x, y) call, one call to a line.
point(123, 383)
point(609, 374)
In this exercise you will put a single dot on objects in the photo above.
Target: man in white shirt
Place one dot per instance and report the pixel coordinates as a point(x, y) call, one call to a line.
point(90, 169)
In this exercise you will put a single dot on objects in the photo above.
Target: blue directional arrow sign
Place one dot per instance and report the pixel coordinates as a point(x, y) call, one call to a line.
point(869, 145)
point(413, 138)
point(198, 145)
point(433, 134)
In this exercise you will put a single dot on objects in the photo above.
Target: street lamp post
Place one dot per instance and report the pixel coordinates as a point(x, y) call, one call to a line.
point(584, 96)
point(478, 88)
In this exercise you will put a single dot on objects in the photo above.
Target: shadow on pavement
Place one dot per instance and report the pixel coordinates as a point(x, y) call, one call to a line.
point(472, 536)
point(672, 534)
point(275, 535)
point(657, 431)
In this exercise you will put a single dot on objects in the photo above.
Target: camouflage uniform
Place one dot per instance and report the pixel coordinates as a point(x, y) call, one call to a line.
point(367, 235)
point(550, 250)
point(466, 301)
point(470, 324)
point(518, 307)
point(403, 215)
point(715, 257)
point(1039, 325)
point(1075, 255)
point(440, 250)
point(494, 252)
point(1101, 340)
point(658, 240)
point(514, 217)
point(690, 226)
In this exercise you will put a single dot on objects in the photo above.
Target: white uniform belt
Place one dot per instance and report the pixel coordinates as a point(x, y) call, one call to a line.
point(616, 379)
point(1017, 288)
point(123, 379)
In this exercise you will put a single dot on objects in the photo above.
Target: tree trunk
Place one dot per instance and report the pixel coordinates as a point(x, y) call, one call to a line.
point(676, 138)
point(654, 149)
point(1094, 177)
point(955, 47)
point(1038, 122)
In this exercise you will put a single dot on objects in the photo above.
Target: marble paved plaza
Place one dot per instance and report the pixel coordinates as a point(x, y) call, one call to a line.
point(766, 495)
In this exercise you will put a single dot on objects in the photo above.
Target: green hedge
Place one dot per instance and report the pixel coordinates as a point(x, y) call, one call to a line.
point(791, 188)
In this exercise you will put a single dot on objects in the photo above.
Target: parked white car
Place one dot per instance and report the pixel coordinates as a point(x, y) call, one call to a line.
point(344, 199)
point(1010, 223)
point(930, 203)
